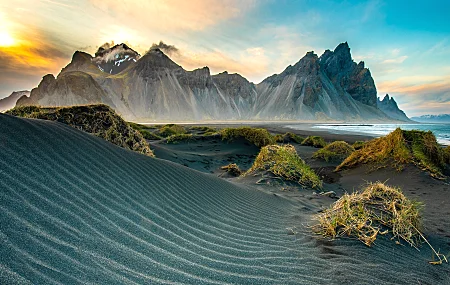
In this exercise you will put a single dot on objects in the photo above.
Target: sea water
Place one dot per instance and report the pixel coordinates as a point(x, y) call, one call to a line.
point(441, 131)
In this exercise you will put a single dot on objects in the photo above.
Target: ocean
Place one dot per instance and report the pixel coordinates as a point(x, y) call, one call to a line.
point(441, 131)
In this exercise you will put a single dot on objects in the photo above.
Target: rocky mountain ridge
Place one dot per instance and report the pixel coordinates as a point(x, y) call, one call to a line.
point(153, 87)
point(441, 118)
point(390, 108)
point(11, 100)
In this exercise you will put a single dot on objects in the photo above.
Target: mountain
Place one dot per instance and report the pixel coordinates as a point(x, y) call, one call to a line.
point(153, 87)
point(390, 108)
point(10, 101)
point(441, 118)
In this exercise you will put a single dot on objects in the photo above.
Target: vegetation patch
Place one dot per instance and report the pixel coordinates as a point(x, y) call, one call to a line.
point(314, 141)
point(170, 130)
point(288, 138)
point(99, 120)
point(358, 145)
point(203, 129)
point(376, 210)
point(149, 135)
point(179, 138)
point(232, 169)
point(399, 148)
point(334, 151)
point(256, 136)
point(283, 161)
point(447, 154)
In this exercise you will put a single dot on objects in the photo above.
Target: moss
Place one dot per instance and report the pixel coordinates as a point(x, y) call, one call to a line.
point(358, 145)
point(399, 148)
point(288, 138)
point(179, 138)
point(283, 161)
point(232, 169)
point(100, 120)
point(258, 137)
point(337, 150)
point(170, 130)
point(314, 141)
point(377, 209)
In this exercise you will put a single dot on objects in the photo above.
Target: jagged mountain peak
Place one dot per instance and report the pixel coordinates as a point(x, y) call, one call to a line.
point(390, 108)
point(115, 59)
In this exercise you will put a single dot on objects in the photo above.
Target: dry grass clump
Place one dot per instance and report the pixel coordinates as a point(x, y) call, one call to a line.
point(232, 169)
point(283, 161)
point(256, 136)
point(378, 209)
point(400, 147)
point(170, 130)
point(288, 138)
point(99, 120)
point(314, 141)
point(179, 138)
point(337, 150)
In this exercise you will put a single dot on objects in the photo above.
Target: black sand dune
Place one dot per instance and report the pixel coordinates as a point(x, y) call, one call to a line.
point(75, 209)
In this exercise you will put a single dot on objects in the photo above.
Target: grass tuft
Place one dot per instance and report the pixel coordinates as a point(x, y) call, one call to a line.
point(170, 130)
point(100, 120)
point(334, 151)
point(256, 136)
point(314, 141)
point(399, 148)
point(283, 161)
point(377, 210)
point(232, 169)
point(288, 138)
point(358, 145)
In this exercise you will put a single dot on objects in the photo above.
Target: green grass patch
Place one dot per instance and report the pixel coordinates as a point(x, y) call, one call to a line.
point(288, 138)
point(399, 148)
point(334, 151)
point(358, 145)
point(149, 135)
point(314, 141)
point(99, 120)
point(447, 154)
point(179, 138)
point(283, 161)
point(170, 130)
point(256, 136)
point(203, 129)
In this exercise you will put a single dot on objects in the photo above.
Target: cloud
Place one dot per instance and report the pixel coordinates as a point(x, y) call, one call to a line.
point(161, 15)
point(429, 95)
point(168, 49)
point(397, 60)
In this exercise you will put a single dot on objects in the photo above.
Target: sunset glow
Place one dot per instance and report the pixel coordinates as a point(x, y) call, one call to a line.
point(5, 39)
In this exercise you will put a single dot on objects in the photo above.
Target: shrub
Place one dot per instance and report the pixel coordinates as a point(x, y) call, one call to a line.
point(337, 150)
point(100, 120)
point(283, 161)
point(378, 209)
point(232, 169)
point(169, 130)
point(314, 141)
point(258, 137)
point(447, 154)
point(400, 147)
point(179, 137)
point(288, 138)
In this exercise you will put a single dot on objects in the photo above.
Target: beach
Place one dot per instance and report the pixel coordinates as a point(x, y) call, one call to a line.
point(78, 209)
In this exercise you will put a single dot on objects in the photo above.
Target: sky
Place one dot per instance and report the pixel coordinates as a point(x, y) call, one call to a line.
point(405, 44)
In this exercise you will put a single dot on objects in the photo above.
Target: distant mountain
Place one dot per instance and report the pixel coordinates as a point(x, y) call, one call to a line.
point(442, 118)
point(153, 87)
point(390, 108)
point(10, 101)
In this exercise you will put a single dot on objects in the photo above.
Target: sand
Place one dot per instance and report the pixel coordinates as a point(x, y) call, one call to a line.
point(75, 209)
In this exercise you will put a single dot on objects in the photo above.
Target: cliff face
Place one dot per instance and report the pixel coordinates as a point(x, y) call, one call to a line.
point(331, 87)
point(390, 108)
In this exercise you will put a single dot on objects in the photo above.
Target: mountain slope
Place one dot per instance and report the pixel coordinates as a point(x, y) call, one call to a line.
point(332, 87)
point(10, 101)
point(390, 108)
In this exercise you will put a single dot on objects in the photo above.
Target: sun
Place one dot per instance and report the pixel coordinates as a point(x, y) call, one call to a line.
point(5, 39)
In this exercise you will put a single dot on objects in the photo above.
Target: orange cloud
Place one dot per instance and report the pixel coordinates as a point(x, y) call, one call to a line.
point(162, 15)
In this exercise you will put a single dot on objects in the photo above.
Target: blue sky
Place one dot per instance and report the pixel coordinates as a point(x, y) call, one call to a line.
point(405, 44)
